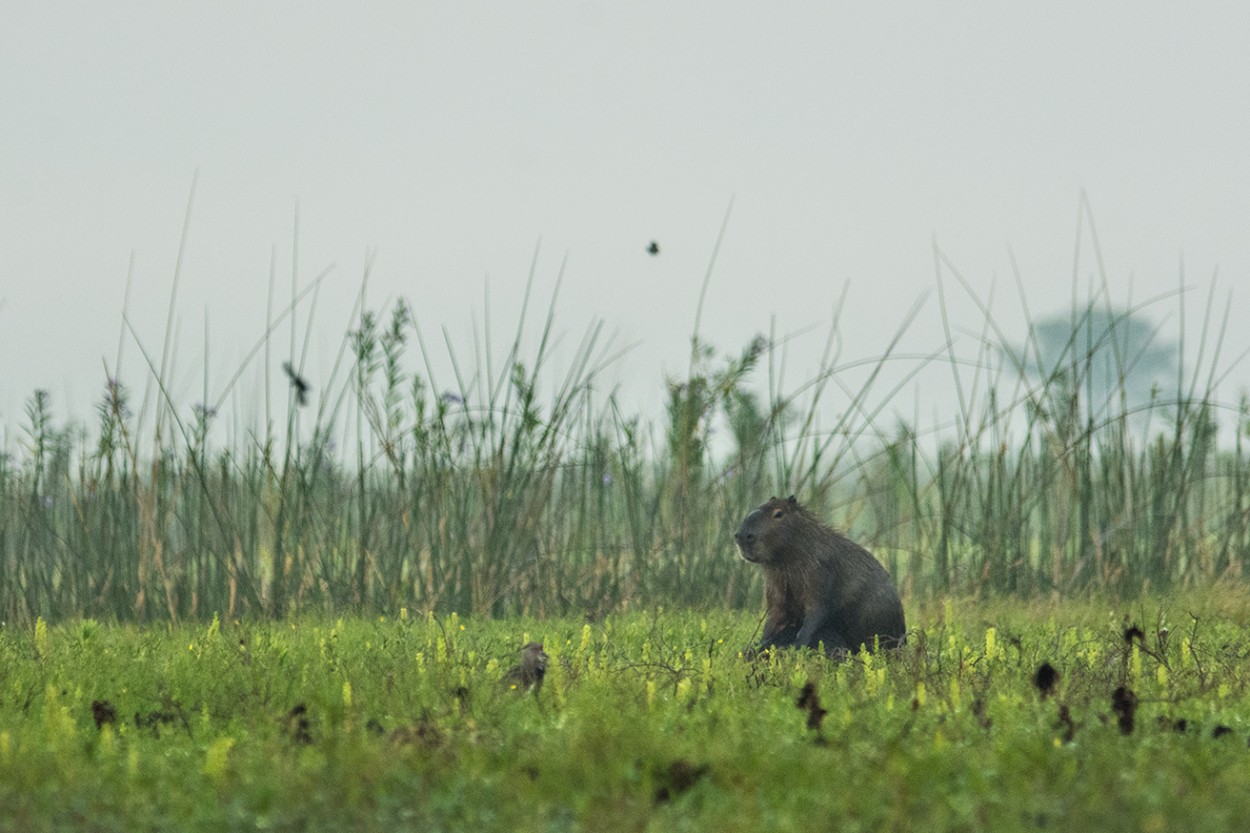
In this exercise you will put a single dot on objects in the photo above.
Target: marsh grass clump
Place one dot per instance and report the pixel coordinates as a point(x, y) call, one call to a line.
point(1124, 703)
point(103, 713)
point(1045, 679)
point(809, 702)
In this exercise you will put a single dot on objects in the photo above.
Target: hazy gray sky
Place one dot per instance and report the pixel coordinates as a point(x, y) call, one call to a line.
point(451, 137)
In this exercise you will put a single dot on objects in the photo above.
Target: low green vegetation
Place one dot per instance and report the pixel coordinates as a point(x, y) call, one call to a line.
point(643, 721)
point(210, 621)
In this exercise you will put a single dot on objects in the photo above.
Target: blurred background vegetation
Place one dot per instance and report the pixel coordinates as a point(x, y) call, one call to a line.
point(1088, 456)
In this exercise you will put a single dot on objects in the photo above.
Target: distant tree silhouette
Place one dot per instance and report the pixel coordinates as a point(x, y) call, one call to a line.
point(1099, 354)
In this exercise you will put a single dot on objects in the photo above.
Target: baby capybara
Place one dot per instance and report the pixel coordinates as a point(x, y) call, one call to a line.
point(820, 587)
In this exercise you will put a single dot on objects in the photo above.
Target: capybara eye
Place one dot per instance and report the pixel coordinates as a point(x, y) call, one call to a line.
point(777, 513)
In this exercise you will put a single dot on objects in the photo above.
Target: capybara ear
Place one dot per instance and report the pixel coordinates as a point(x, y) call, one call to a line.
point(793, 501)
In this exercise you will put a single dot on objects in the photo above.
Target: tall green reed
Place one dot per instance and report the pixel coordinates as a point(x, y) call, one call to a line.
point(516, 485)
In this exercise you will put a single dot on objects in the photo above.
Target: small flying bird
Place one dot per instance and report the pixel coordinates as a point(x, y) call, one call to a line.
point(653, 249)
point(529, 672)
point(299, 383)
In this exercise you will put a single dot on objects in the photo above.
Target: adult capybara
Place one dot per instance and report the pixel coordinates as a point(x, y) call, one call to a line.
point(820, 587)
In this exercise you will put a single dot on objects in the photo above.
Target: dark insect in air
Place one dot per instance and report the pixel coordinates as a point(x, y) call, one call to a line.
point(653, 249)
point(299, 383)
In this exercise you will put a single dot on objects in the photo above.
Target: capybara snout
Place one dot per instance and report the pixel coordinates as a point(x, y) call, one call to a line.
point(745, 537)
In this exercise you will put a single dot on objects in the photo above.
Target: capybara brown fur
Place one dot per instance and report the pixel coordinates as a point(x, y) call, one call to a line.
point(529, 672)
point(820, 587)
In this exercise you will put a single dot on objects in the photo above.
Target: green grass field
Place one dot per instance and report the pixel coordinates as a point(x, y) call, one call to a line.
point(645, 721)
point(1104, 509)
